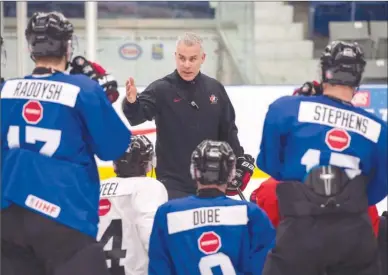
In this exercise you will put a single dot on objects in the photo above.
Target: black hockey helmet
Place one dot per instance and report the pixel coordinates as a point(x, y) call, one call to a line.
point(342, 63)
point(49, 35)
point(213, 162)
point(137, 160)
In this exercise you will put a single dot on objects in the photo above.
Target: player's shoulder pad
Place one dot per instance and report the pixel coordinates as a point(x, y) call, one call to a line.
point(285, 106)
point(253, 210)
point(152, 185)
point(281, 102)
point(250, 205)
point(370, 115)
point(86, 84)
point(2, 84)
point(179, 204)
point(90, 91)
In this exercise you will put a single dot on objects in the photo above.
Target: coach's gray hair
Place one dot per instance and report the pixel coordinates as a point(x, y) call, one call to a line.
point(190, 39)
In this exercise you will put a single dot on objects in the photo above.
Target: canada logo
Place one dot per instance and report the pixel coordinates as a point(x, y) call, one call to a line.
point(338, 139)
point(130, 51)
point(361, 99)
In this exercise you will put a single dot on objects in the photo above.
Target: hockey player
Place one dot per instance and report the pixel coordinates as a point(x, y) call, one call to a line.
point(331, 159)
point(209, 231)
point(265, 195)
point(128, 204)
point(52, 126)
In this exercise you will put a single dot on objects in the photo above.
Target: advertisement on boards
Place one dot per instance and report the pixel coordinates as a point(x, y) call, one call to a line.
point(157, 51)
point(373, 99)
point(130, 51)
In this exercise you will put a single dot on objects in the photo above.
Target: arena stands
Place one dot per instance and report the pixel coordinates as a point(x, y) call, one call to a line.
point(133, 9)
point(268, 43)
point(364, 22)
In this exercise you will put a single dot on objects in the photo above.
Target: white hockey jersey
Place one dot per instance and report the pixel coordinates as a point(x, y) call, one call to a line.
point(127, 210)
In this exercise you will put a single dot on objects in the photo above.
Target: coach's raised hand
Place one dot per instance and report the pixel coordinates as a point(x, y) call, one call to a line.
point(131, 90)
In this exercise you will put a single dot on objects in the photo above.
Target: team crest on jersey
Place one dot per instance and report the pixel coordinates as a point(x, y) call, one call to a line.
point(32, 112)
point(338, 139)
point(104, 207)
point(209, 242)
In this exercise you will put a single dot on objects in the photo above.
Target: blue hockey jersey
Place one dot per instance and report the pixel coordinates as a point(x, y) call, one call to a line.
point(302, 132)
point(52, 126)
point(207, 235)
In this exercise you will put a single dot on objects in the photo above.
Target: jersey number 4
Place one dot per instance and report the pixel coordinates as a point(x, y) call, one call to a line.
point(115, 232)
point(51, 138)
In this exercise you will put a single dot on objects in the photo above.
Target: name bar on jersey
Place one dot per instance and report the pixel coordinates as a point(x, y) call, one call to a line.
point(323, 114)
point(206, 216)
point(114, 188)
point(44, 90)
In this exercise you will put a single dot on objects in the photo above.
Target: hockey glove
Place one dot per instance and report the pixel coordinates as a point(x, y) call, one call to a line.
point(80, 65)
point(244, 171)
point(309, 89)
point(109, 84)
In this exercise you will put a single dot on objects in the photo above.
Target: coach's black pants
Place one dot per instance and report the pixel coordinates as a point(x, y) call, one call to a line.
point(35, 245)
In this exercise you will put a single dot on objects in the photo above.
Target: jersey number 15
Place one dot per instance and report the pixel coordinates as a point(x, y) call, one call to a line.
point(351, 164)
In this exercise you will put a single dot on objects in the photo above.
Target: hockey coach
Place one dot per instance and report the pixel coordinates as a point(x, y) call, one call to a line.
point(188, 107)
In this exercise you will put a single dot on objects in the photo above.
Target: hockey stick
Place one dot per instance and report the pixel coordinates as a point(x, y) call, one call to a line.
point(241, 194)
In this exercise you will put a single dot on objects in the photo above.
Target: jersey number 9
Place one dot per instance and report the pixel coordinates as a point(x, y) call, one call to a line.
point(207, 263)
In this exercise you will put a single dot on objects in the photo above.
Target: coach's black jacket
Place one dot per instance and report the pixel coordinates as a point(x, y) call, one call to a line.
point(185, 114)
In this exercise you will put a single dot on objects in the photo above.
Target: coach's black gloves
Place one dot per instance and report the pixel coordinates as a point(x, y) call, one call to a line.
point(80, 65)
point(245, 166)
point(309, 89)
